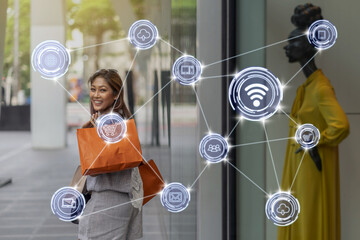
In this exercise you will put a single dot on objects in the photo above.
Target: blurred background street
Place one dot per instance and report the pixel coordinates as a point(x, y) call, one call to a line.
point(39, 117)
point(36, 174)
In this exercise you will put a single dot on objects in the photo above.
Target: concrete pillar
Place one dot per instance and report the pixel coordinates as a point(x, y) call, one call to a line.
point(48, 99)
point(3, 9)
point(209, 222)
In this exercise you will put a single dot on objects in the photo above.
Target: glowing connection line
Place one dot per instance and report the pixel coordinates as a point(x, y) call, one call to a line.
point(271, 155)
point(289, 117)
point(244, 175)
point(171, 46)
point(91, 165)
point(73, 97)
point(119, 205)
point(207, 164)
point(209, 77)
point(98, 44)
point(202, 111)
point(302, 158)
point(151, 98)
point(234, 127)
point(127, 74)
point(253, 143)
point(300, 69)
point(145, 161)
point(257, 49)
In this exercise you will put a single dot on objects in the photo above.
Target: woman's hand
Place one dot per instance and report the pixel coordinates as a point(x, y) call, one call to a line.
point(94, 117)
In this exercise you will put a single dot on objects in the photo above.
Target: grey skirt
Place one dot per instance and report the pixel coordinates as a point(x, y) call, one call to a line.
point(110, 215)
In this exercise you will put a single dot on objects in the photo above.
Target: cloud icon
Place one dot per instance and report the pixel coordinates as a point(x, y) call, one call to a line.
point(143, 34)
point(283, 209)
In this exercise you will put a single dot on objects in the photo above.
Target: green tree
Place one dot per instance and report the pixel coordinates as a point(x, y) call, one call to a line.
point(24, 43)
point(93, 18)
point(139, 8)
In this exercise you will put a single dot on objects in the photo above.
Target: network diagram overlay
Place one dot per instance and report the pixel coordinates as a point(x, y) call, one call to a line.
point(255, 93)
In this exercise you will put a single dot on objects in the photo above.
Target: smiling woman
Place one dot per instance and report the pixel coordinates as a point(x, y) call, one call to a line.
point(116, 188)
point(105, 85)
point(101, 95)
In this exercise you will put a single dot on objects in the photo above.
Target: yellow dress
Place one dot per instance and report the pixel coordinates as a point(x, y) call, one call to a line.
point(318, 192)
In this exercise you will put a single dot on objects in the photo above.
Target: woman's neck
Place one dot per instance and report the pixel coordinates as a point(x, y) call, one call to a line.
point(308, 68)
point(106, 111)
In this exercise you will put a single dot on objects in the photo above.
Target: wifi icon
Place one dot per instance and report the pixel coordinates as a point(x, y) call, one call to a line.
point(256, 92)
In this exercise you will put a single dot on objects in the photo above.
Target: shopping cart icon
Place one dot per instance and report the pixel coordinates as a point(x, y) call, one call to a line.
point(308, 137)
point(110, 130)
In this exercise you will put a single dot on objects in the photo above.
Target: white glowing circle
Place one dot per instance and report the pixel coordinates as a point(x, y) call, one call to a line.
point(111, 128)
point(282, 209)
point(51, 59)
point(307, 135)
point(67, 204)
point(187, 70)
point(175, 197)
point(143, 34)
point(322, 34)
point(213, 148)
point(255, 93)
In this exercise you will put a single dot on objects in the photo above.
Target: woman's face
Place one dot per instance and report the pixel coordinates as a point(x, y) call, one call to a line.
point(295, 49)
point(101, 95)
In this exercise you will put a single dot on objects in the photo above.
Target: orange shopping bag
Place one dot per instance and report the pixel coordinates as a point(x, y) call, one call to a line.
point(153, 182)
point(97, 157)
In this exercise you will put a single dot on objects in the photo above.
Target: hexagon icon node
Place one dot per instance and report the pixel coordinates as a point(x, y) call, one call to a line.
point(187, 70)
point(51, 59)
point(67, 204)
point(175, 197)
point(143, 34)
point(111, 128)
point(322, 34)
point(307, 135)
point(282, 209)
point(255, 93)
point(213, 148)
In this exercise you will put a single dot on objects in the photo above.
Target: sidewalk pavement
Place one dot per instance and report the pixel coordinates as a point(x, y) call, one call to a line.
point(36, 174)
point(25, 203)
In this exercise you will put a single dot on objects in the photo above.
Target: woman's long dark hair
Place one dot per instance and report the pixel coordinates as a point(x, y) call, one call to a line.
point(112, 77)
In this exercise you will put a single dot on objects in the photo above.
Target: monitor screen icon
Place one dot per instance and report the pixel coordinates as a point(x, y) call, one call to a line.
point(68, 203)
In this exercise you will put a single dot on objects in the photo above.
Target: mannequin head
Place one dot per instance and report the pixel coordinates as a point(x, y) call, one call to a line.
point(305, 15)
point(298, 48)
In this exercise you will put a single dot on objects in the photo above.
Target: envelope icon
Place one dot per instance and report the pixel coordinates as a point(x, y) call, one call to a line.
point(68, 203)
point(175, 197)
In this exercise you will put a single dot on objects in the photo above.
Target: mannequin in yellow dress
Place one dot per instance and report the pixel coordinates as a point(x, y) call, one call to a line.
point(316, 188)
